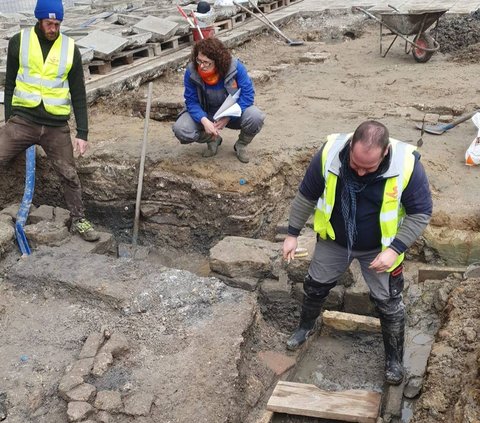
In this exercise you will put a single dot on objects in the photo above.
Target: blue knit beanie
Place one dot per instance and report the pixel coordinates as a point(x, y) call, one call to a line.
point(49, 9)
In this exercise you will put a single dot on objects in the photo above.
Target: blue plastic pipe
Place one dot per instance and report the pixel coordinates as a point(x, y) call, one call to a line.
point(22, 214)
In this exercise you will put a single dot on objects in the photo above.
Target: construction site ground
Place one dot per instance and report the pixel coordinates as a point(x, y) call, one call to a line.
point(202, 350)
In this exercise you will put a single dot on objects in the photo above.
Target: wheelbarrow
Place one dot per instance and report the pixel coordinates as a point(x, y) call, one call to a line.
point(405, 25)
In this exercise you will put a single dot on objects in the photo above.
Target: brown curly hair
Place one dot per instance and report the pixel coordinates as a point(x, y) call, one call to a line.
point(215, 50)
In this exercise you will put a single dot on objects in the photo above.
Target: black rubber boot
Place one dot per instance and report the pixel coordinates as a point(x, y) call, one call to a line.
point(304, 330)
point(313, 298)
point(393, 332)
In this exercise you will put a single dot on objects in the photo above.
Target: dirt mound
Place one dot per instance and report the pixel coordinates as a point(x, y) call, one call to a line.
point(470, 54)
point(455, 358)
point(457, 33)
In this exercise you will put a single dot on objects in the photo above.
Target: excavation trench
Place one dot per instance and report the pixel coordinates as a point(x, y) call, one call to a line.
point(207, 348)
point(185, 220)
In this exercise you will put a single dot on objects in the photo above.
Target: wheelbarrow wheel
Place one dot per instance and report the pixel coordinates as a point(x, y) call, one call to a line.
point(426, 41)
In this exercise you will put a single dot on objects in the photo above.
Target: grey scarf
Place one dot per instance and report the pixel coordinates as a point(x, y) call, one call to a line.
point(352, 185)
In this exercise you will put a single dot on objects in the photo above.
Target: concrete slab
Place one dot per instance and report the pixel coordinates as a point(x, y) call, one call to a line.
point(103, 44)
point(161, 29)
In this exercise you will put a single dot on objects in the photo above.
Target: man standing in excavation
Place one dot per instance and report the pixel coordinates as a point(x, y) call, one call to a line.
point(44, 79)
point(372, 200)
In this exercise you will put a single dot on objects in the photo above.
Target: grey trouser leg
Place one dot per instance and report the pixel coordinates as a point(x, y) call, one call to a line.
point(251, 121)
point(186, 129)
point(18, 134)
point(330, 262)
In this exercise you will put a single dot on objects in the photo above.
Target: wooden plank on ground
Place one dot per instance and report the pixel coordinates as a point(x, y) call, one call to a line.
point(307, 400)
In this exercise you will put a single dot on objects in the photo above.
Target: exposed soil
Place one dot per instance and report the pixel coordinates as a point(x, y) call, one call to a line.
point(305, 98)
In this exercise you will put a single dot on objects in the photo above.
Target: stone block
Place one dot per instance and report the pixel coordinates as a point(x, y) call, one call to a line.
point(247, 283)
point(7, 235)
point(67, 383)
point(313, 57)
point(392, 401)
point(138, 404)
point(350, 322)
point(84, 392)
point(43, 214)
point(237, 257)
point(437, 272)
point(92, 345)
point(110, 401)
point(5, 218)
point(116, 346)
point(47, 233)
point(12, 210)
point(101, 363)
point(78, 411)
point(61, 216)
point(105, 245)
point(357, 296)
point(456, 247)
point(82, 367)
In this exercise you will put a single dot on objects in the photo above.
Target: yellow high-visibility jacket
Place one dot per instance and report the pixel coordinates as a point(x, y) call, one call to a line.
point(44, 81)
point(397, 177)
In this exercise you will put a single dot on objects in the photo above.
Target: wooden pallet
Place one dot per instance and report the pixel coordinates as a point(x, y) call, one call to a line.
point(225, 25)
point(174, 44)
point(126, 57)
point(274, 5)
point(239, 18)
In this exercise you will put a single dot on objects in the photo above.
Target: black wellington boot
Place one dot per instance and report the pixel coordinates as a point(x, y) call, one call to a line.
point(313, 298)
point(304, 330)
point(393, 333)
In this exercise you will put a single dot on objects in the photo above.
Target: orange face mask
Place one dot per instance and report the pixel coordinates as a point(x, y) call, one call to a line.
point(210, 76)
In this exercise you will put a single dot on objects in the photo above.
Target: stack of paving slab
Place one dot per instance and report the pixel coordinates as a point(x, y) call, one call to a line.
point(115, 32)
point(111, 30)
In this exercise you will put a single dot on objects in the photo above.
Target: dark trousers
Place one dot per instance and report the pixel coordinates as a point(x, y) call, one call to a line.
point(19, 134)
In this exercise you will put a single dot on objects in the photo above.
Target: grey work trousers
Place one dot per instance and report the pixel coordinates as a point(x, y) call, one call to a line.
point(188, 131)
point(330, 261)
point(19, 134)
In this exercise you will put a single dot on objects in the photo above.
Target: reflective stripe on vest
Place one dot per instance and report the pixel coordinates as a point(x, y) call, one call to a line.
point(391, 212)
point(39, 80)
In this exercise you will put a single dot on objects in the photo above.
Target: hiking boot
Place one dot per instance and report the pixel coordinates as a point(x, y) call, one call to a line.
point(85, 229)
point(212, 147)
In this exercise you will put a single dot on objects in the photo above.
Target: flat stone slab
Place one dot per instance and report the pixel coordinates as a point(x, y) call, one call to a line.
point(161, 29)
point(103, 44)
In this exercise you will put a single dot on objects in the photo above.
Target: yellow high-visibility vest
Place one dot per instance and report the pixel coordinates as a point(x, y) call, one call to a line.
point(47, 81)
point(391, 213)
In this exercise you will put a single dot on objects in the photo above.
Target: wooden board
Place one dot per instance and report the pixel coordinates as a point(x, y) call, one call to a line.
point(307, 400)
